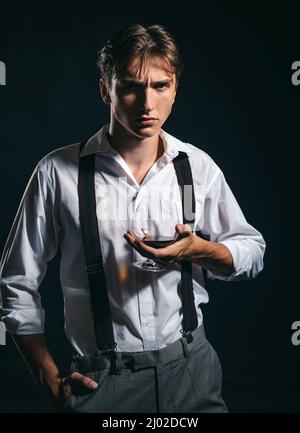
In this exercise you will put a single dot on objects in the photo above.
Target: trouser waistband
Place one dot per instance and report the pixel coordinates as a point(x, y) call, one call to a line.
point(138, 360)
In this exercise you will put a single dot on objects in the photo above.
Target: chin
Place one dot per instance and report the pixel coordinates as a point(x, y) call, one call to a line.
point(146, 131)
point(146, 134)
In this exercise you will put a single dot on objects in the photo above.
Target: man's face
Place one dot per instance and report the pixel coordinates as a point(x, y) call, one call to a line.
point(142, 105)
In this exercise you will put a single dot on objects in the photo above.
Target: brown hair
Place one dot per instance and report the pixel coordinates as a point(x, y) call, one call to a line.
point(141, 41)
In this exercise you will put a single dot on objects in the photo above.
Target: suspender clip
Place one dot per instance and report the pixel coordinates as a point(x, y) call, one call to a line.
point(111, 346)
point(187, 335)
point(116, 363)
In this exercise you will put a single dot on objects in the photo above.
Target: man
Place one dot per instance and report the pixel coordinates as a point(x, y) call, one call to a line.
point(138, 336)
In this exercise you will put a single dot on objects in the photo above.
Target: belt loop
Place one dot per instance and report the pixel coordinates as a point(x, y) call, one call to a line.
point(117, 362)
point(185, 347)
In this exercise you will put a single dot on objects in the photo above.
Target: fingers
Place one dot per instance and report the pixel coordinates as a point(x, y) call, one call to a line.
point(169, 254)
point(139, 245)
point(75, 384)
point(165, 261)
point(84, 380)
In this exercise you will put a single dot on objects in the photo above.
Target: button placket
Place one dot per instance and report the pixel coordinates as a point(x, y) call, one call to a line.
point(144, 295)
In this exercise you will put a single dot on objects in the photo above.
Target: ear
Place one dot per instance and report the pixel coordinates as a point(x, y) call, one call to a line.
point(174, 98)
point(104, 91)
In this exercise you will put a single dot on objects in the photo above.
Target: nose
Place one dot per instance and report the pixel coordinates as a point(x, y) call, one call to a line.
point(146, 104)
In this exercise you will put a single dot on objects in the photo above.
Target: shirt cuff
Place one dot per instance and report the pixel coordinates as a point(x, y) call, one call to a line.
point(242, 262)
point(23, 322)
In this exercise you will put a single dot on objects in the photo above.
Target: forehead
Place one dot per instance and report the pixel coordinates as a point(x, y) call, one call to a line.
point(154, 66)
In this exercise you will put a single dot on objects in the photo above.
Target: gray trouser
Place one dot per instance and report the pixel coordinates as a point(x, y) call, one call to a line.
point(182, 377)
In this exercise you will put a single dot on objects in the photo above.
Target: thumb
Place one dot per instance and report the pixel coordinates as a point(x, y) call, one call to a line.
point(182, 228)
point(183, 231)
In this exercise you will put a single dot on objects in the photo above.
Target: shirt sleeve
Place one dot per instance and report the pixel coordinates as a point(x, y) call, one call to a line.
point(31, 244)
point(225, 223)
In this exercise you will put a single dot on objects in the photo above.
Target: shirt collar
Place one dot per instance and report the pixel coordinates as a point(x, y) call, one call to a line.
point(100, 144)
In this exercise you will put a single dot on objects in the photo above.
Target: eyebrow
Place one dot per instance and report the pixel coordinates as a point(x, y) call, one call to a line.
point(132, 81)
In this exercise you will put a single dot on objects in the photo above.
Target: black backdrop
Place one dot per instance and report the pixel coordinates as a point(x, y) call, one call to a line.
point(236, 101)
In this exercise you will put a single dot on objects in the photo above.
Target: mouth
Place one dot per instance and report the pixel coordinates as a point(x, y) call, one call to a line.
point(146, 120)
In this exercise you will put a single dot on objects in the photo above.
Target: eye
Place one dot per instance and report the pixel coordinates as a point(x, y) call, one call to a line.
point(162, 86)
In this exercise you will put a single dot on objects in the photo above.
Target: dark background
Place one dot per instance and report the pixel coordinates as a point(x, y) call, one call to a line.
point(235, 101)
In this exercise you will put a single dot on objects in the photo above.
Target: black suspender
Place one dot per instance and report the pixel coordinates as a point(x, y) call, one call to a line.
point(93, 256)
point(184, 177)
point(92, 251)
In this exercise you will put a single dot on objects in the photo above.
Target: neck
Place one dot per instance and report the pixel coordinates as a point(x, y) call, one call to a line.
point(134, 150)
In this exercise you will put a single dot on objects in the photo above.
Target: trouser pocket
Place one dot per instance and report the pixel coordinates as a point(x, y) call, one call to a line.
point(83, 399)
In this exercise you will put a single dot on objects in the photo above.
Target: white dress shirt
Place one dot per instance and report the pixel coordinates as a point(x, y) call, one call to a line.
point(146, 306)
